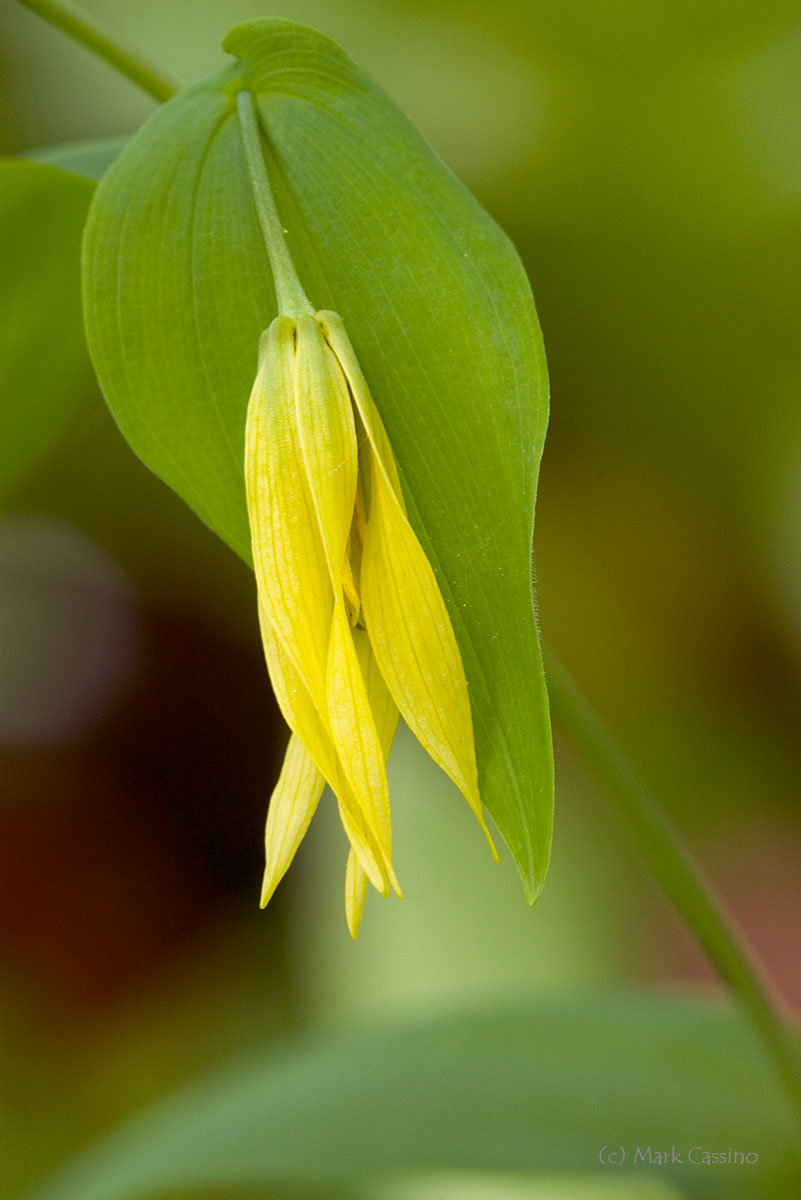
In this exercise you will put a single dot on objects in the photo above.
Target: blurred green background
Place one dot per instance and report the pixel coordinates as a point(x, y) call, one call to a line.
point(645, 157)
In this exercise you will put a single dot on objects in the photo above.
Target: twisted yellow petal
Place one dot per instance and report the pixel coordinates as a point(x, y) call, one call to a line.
point(288, 554)
point(406, 618)
point(292, 804)
point(301, 476)
point(303, 718)
point(385, 713)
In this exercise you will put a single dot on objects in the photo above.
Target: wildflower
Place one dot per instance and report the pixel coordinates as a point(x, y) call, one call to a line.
point(354, 627)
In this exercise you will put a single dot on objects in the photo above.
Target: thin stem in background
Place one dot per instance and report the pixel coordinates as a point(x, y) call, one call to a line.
point(72, 20)
point(661, 846)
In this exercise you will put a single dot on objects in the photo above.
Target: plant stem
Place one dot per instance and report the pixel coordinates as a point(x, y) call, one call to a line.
point(290, 296)
point(660, 844)
point(72, 20)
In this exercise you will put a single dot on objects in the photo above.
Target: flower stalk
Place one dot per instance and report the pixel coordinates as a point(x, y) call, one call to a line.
point(670, 862)
point(291, 298)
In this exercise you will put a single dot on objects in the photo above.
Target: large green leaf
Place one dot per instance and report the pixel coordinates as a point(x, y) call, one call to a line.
point(542, 1088)
point(45, 372)
point(178, 289)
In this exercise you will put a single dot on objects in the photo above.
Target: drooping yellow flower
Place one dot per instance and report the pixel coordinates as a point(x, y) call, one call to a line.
point(354, 627)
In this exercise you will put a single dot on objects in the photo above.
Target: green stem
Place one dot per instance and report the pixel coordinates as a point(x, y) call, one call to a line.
point(289, 293)
point(660, 844)
point(72, 20)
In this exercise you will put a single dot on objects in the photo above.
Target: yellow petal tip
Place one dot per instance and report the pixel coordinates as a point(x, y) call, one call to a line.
point(353, 927)
point(488, 836)
point(393, 881)
point(269, 885)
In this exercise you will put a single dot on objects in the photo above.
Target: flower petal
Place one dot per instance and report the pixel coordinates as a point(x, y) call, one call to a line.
point(385, 714)
point(327, 436)
point(414, 643)
point(355, 737)
point(355, 893)
point(292, 805)
point(304, 719)
point(406, 618)
point(288, 554)
point(336, 335)
point(382, 706)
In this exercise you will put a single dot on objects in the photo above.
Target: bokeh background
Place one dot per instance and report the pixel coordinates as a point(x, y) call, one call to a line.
point(645, 157)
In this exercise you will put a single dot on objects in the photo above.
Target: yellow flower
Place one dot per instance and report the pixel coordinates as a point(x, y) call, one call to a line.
point(354, 627)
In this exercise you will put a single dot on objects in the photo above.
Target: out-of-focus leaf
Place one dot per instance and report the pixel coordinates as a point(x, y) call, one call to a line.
point(90, 158)
point(539, 1089)
point(447, 1185)
point(45, 372)
point(178, 289)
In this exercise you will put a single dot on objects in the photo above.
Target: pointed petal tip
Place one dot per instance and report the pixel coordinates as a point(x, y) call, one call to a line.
point(472, 797)
point(389, 880)
point(355, 893)
point(354, 922)
point(373, 864)
point(393, 880)
point(488, 836)
point(354, 902)
point(267, 890)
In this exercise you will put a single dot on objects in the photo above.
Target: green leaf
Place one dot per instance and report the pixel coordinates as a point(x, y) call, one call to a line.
point(178, 289)
point(45, 372)
point(91, 158)
point(537, 1089)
